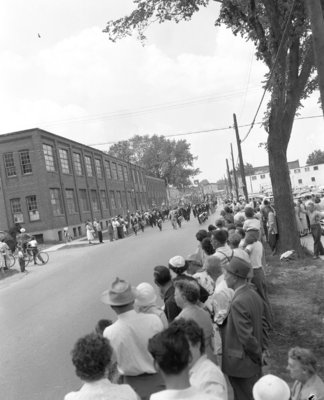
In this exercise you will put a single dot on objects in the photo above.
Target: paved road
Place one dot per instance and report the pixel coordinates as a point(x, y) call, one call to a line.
point(43, 314)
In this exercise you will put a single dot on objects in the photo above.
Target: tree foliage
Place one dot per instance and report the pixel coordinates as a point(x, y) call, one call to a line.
point(170, 160)
point(281, 33)
point(316, 157)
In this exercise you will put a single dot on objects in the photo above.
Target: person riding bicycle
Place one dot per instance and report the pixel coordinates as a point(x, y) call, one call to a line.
point(22, 239)
point(32, 245)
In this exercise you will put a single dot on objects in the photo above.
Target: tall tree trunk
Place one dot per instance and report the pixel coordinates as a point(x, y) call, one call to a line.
point(315, 12)
point(279, 130)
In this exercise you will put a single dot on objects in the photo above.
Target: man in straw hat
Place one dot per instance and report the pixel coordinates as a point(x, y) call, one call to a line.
point(129, 337)
point(244, 332)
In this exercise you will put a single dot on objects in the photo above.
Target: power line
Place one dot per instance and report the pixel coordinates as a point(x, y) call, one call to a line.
point(150, 109)
point(206, 130)
point(272, 70)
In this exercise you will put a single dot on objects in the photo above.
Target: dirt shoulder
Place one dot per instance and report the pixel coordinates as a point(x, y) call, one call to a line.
point(296, 291)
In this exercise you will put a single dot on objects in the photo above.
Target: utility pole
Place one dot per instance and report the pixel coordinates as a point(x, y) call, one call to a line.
point(229, 179)
point(234, 173)
point(242, 171)
point(315, 11)
point(226, 186)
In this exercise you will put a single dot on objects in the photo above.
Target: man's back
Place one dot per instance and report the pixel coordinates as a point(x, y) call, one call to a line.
point(129, 337)
point(243, 334)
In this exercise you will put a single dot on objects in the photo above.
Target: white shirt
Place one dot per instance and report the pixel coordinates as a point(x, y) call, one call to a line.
point(207, 377)
point(185, 394)
point(129, 337)
point(255, 250)
point(33, 243)
point(240, 253)
point(251, 224)
point(103, 390)
point(224, 254)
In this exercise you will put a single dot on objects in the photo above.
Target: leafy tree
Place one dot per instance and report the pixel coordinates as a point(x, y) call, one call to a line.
point(170, 160)
point(316, 157)
point(281, 34)
point(248, 169)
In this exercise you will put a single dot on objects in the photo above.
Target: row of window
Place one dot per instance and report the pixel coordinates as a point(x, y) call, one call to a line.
point(307, 169)
point(118, 200)
point(296, 171)
point(300, 181)
point(24, 161)
point(112, 169)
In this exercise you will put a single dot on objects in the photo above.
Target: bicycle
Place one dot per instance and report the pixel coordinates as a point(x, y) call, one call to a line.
point(41, 257)
point(10, 259)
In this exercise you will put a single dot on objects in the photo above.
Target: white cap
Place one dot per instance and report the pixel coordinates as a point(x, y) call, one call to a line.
point(145, 294)
point(22, 230)
point(270, 387)
point(177, 262)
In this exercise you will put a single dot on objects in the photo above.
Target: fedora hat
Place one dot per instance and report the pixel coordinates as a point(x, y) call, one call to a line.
point(238, 267)
point(120, 294)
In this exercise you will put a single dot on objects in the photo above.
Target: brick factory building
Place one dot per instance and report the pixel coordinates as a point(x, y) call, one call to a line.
point(48, 182)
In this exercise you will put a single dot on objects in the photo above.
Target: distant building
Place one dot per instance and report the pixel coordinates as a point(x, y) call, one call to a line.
point(307, 176)
point(48, 182)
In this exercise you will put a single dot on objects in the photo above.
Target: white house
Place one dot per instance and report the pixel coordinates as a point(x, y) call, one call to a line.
point(309, 175)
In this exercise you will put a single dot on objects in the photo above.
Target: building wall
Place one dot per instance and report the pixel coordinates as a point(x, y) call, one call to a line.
point(309, 175)
point(68, 183)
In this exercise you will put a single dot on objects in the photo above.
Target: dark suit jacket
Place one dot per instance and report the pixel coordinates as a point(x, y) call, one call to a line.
point(170, 306)
point(244, 334)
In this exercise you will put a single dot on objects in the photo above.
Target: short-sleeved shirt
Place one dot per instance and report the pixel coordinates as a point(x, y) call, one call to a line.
point(129, 337)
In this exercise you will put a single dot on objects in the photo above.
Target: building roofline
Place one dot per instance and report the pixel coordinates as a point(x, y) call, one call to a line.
point(40, 130)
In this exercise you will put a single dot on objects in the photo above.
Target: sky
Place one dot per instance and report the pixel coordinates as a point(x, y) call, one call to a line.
point(188, 77)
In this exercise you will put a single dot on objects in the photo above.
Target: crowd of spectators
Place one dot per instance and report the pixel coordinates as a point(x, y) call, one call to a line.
point(210, 338)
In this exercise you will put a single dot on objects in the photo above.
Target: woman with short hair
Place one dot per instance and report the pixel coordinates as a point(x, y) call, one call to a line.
point(91, 357)
point(186, 295)
point(302, 366)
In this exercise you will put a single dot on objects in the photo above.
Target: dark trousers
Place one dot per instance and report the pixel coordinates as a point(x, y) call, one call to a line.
point(259, 282)
point(316, 233)
point(145, 384)
point(99, 236)
point(242, 387)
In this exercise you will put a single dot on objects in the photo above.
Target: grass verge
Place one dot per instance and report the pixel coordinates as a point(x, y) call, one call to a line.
point(296, 291)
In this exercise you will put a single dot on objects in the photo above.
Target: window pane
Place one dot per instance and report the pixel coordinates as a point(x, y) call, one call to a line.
point(77, 163)
point(84, 202)
point(16, 210)
point(25, 163)
point(120, 172)
point(126, 174)
point(118, 199)
point(49, 157)
point(64, 157)
point(98, 168)
point(94, 200)
point(114, 170)
point(88, 165)
point(56, 202)
point(70, 201)
point(104, 201)
point(32, 208)
point(9, 164)
point(107, 168)
point(112, 199)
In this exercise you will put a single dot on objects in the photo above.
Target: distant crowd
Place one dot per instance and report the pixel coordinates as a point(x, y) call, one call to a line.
point(210, 339)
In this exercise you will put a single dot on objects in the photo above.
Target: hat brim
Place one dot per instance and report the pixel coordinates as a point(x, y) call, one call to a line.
point(105, 298)
point(143, 304)
point(227, 268)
